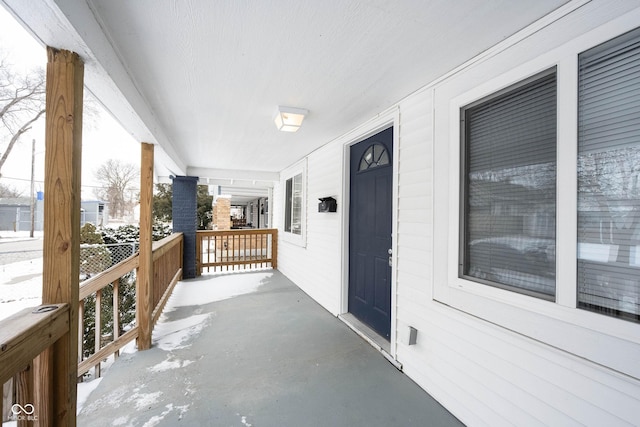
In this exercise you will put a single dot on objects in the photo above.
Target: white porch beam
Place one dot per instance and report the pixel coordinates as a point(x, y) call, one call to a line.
point(225, 175)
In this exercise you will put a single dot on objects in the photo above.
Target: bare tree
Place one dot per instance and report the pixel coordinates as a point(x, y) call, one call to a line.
point(6, 191)
point(22, 103)
point(117, 179)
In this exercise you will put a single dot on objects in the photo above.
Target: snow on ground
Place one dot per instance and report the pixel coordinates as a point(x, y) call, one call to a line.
point(215, 288)
point(173, 335)
point(170, 363)
point(85, 389)
point(20, 281)
point(20, 286)
point(18, 235)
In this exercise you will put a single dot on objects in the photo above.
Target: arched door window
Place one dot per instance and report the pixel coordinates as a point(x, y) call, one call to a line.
point(374, 156)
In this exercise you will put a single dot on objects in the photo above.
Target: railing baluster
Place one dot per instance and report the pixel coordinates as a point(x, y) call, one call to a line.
point(98, 329)
point(6, 387)
point(116, 313)
point(80, 330)
point(209, 250)
point(23, 383)
point(217, 250)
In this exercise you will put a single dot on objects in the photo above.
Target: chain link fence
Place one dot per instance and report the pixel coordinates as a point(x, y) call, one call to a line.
point(97, 258)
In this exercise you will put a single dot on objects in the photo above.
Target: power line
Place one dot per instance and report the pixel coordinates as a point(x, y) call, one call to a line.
point(102, 187)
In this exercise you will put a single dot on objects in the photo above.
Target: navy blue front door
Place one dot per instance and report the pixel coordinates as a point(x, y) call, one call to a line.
point(370, 213)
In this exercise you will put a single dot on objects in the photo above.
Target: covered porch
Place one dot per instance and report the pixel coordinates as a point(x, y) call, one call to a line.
point(202, 84)
point(252, 349)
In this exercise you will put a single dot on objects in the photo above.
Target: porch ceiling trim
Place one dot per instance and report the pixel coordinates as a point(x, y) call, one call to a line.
point(223, 176)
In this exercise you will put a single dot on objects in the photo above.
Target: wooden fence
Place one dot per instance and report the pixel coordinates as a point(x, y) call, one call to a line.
point(231, 250)
point(26, 334)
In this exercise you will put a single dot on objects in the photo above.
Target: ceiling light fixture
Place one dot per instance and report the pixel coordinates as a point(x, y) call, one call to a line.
point(289, 119)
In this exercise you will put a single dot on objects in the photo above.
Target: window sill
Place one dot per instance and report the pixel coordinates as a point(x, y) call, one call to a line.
point(294, 239)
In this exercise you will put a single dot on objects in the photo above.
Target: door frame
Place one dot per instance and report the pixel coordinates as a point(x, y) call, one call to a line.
point(390, 117)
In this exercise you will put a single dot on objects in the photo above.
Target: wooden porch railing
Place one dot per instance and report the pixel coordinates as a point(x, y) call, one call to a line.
point(23, 338)
point(167, 270)
point(26, 334)
point(236, 249)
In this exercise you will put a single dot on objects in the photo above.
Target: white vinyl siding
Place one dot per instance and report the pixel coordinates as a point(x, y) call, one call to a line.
point(316, 267)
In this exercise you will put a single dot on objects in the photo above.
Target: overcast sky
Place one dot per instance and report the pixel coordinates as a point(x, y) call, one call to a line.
point(102, 140)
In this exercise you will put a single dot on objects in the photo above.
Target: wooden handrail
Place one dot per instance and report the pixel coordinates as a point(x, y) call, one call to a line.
point(107, 351)
point(24, 335)
point(166, 244)
point(101, 280)
point(237, 232)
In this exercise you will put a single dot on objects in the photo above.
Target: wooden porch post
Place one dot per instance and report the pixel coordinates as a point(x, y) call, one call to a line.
point(58, 366)
point(144, 304)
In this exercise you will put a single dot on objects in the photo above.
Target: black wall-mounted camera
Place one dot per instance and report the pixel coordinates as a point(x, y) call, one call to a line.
point(327, 204)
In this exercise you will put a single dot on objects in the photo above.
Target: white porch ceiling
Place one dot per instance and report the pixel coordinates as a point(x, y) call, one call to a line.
point(202, 79)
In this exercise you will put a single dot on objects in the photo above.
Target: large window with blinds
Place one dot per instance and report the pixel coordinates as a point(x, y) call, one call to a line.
point(609, 177)
point(508, 190)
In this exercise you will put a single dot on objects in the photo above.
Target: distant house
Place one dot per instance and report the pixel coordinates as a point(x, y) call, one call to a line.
point(94, 211)
point(15, 213)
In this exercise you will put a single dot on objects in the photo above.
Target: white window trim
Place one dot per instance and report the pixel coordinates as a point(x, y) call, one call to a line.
point(299, 168)
point(605, 340)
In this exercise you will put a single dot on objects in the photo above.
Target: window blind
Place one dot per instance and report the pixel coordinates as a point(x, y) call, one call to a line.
point(509, 168)
point(608, 177)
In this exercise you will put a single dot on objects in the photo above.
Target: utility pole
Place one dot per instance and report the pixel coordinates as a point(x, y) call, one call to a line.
point(33, 199)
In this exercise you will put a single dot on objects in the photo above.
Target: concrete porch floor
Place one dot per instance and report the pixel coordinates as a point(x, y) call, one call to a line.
point(270, 356)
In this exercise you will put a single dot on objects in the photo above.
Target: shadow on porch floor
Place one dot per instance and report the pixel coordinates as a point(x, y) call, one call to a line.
point(270, 356)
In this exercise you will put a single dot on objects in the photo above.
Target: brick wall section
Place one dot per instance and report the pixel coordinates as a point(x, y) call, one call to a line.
point(222, 214)
point(185, 220)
